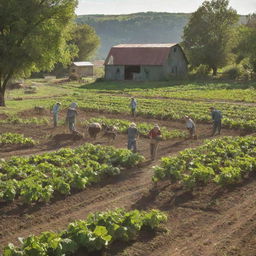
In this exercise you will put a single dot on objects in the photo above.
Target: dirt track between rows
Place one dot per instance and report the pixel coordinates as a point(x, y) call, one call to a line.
point(211, 221)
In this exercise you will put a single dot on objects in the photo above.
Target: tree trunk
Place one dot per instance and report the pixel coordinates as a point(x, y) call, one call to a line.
point(2, 99)
point(214, 71)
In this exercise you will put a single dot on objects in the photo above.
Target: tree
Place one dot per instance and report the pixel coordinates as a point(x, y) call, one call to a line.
point(247, 47)
point(87, 41)
point(33, 37)
point(208, 35)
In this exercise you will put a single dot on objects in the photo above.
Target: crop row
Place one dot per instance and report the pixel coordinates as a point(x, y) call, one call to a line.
point(16, 139)
point(18, 120)
point(223, 161)
point(143, 128)
point(39, 177)
point(235, 116)
point(201, 93)
point(94, 234)
point(181, 90)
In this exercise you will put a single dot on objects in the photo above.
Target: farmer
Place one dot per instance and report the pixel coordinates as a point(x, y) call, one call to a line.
point(155, 136)
point(216, 117)
point(55, 111)
point(132, 137)
point(71, 117)
point(190, 125)
point(133, 106)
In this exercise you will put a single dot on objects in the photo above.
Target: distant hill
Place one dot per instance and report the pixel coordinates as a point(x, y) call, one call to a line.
point(149, 27)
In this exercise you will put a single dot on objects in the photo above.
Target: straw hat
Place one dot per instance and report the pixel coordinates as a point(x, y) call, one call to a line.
point(133, 125)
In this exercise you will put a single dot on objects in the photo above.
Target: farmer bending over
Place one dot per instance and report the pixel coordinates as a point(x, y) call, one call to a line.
point(190, 125)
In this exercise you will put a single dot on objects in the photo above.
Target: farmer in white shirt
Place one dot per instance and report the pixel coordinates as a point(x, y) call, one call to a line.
point(55, 111)
point(190, 125)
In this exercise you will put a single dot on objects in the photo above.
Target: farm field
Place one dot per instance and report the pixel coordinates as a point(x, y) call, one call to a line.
point(209, 212)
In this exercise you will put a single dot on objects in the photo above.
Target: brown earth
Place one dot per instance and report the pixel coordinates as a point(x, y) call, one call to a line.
point(210, 221)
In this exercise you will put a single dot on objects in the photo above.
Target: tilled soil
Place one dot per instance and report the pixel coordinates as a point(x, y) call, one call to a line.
point(209, 221)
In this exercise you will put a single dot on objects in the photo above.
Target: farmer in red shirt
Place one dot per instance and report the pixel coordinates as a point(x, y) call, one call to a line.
point(155, 136)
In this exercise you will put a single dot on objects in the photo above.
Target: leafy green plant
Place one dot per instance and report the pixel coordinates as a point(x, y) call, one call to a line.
point(95, 233)
point(223, 161)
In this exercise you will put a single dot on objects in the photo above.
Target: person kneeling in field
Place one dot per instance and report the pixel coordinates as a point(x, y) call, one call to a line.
point(155, 137)
point(132, 137)
point(190, 125)
point(94, 129)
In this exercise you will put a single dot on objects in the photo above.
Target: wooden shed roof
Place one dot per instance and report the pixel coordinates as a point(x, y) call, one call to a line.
point(139, 54)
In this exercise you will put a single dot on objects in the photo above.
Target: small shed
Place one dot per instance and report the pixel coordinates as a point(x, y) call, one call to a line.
point(145, 62)
point(81, 69)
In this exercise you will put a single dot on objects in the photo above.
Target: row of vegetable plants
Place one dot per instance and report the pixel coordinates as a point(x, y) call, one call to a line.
point(222, 161)
point(94, 234)
point(41, 177)
point(199, 93)
point(235, 116)
point(143, 128)
point(16, 139)
point(18, 120)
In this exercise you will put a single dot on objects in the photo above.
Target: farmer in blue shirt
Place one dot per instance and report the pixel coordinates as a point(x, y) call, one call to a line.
point(55, 111)
point(133, 106)
point(216, 117)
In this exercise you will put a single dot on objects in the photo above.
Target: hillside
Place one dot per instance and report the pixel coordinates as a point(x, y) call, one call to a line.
point(147, 27)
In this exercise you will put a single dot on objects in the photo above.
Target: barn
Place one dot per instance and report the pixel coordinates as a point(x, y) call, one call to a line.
point(145, 62)
point(81, 69)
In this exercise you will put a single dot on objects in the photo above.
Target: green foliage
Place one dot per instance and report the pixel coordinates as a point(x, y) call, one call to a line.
point(94, 234)
point(223, 161)
point(33, 37)
point(233, 72)
point(87, 41)
point(39, 177)
point(246, 47)
point(208, 35)
point(15, 139)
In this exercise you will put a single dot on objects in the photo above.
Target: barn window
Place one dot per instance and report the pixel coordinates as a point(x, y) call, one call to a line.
point(117, 70)
point(175, 49)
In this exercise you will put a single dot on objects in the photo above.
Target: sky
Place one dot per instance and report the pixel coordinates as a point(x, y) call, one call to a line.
point(132, 6)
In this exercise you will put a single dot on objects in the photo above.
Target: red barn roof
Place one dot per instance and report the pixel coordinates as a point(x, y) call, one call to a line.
point(139, 54)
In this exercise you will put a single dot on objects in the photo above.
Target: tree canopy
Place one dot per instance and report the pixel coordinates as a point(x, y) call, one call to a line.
point(247, 37)
point(87, 41)
point(208, 35)
point(33, 37)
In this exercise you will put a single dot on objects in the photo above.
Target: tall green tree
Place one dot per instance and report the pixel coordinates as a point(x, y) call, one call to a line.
point(33, 37)
point(87, 41)
point(247, 42)
point(208, 35)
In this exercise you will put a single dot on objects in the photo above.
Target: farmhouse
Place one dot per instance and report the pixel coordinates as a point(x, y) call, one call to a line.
point(81, 69)
point(145, 62)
